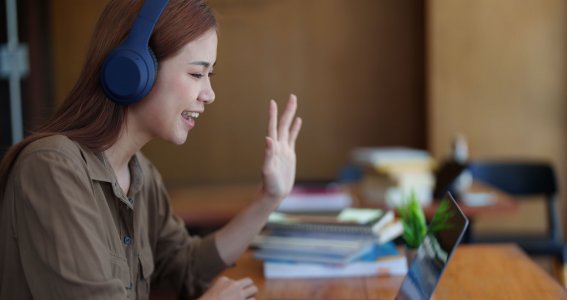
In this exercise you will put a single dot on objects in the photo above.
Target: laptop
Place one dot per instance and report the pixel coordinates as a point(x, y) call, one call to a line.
point(445, 232)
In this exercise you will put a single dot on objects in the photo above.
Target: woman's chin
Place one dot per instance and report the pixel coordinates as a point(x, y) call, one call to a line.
point(178, 140)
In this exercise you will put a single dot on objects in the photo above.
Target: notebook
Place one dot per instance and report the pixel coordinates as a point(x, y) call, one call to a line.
point(434, 253)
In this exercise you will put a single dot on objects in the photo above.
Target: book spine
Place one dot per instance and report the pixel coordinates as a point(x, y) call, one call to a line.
point(323, 228)
point(396, 267)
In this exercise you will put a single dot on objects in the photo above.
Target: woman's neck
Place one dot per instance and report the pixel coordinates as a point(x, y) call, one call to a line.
point(119, 155)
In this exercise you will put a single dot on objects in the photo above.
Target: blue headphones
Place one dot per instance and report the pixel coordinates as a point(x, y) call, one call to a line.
point(129, 71)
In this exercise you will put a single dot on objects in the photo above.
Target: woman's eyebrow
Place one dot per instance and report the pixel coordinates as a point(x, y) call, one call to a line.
point(202, 63)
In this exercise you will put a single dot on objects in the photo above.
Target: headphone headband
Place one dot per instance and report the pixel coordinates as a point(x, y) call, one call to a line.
point(129, 71)
point(146, 21)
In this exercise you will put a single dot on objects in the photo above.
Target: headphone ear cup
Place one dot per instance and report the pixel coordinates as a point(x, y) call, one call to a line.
point(129, 71)
point(154, 59)
point(128, 75)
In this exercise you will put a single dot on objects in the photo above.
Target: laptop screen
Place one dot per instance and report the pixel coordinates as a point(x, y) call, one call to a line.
point(445, 232)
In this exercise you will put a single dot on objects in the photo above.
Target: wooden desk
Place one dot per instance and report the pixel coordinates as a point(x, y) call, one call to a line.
point(214, 205)
point(475, 272)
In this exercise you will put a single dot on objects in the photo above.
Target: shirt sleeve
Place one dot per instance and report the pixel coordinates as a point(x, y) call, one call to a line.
point(61, 244)
point(187, 264)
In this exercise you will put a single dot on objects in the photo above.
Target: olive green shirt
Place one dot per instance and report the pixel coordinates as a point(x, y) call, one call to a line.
point(67, 231)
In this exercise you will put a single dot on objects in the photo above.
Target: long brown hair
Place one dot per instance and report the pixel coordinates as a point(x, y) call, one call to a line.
point(87, 116)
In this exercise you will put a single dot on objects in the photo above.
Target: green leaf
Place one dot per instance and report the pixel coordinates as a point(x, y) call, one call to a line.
point(413, 220)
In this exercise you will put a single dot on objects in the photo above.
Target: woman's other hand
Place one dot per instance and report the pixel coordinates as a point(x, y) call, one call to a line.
point(225, 288)
point(278, 172)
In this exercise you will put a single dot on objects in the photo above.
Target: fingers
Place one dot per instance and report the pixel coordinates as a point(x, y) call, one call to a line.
point(287, 117)
point(226, 288)
point(273, 122)
point(295, 131)
point(248, 288)
point(269, 152)
point(283, 131)
point(245, 282)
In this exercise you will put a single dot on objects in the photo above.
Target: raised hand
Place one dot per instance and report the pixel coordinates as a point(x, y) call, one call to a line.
point(278, 171)
point(278, 176)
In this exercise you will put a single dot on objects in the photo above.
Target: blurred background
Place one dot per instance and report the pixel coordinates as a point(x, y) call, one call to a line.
point(367, 73)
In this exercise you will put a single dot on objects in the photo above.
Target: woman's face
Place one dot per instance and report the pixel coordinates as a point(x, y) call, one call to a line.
point(181, 90)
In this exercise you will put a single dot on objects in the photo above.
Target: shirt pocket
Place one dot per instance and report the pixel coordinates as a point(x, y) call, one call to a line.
point(121, 271)
point(146, 259)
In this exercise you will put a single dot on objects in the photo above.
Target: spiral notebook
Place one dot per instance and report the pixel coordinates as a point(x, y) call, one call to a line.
point(369, 223)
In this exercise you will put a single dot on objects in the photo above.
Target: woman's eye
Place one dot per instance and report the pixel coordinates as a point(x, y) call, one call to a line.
point(199, 75)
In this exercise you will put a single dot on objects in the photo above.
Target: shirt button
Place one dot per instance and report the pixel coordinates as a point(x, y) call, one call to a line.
point(127, 240)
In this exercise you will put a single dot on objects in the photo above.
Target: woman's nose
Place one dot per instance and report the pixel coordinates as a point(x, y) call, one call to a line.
point(207, 95)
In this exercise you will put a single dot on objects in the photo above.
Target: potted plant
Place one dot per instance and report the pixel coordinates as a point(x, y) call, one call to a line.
point(415, 225)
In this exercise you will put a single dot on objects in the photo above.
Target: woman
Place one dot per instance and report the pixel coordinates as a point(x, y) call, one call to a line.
point(85, 216)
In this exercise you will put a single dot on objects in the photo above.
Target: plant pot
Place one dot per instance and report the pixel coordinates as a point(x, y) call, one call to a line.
point(410, 255)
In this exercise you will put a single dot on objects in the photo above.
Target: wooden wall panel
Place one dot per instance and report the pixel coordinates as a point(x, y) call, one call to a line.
point(72, 24)
point(356, 66)
point(497, 73)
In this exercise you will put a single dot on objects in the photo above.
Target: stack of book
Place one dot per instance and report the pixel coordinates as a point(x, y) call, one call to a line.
point(356, 242)
point(316, 197)
point(391, 173)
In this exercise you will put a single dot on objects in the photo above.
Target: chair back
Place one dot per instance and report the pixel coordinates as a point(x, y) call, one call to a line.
point(516, 178)
point(523, 178)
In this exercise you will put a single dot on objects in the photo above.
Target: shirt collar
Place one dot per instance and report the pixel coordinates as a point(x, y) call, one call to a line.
point(137, 175)
point(100, 170)
point(98, 167)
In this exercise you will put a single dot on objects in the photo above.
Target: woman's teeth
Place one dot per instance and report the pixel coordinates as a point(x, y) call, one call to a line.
point(189, 114)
